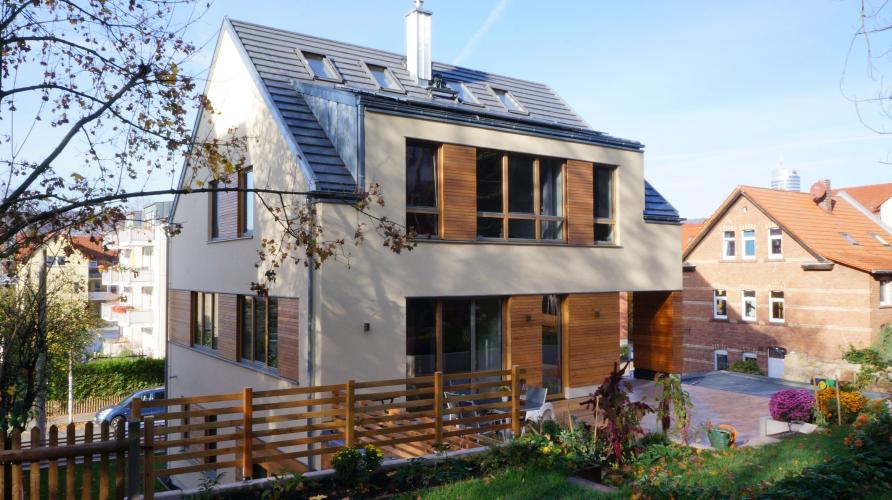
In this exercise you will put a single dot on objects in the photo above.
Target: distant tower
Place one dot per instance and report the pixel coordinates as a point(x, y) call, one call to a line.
point(785, 179)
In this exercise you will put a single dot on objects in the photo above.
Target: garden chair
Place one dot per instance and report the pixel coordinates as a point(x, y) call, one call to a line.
point(535, 407)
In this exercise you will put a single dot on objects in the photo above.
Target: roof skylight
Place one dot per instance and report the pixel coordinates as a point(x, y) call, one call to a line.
point(880, 239)
point(384, 77)
point(509, 101)
point(464, 95)
point(321, 66)
point(848, 237)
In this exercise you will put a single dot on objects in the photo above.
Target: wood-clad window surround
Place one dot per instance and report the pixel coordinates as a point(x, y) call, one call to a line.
point(422, 195)
point(246, 203)
point(231, 213)
point(205, 317)
point(605, 205)
point(519, 197)
point(259, 330)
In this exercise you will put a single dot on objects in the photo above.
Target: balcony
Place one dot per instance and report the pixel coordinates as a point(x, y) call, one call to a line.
point(125, 315)
point(127, 277)
point(101, 295)
point(123, 238)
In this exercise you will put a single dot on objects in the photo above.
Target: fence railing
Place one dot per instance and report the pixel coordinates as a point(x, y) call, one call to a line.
point(283, 429)
point(58, 408)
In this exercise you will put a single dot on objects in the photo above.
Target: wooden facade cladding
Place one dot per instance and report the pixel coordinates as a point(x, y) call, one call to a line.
point(228, 210)
point(458, 196)
point(591, 337)
point(580, 202)
point(289, 359)
point(228, 326)
point(657, 334)
point(524, 343)
point(179, 317)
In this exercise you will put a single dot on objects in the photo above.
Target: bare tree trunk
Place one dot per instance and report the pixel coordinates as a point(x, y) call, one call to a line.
point(40, 369)
point(70, 388)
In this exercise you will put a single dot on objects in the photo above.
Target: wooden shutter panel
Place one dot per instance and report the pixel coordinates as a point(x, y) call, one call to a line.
point(592, 336)
point(459, 192)
point(580, 202)
point(289, 359)
point(657, 333)
point(179, 317)
point(227, 210)
point(227, 326)
point(524, 344)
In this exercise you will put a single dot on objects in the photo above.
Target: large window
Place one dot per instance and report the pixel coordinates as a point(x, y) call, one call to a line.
point(720, 304)
point(204, 311)
point(775, 243)
point(728, 247)
point(453, 335)
point(749, 243)
point(422, 214)
point(551, 343)
point(215, 209)
point(886, 293)
point(605, 210)
point(246, 203)
point(776, 304)
point(748, 311)
point(519, 197)
point(258, 320)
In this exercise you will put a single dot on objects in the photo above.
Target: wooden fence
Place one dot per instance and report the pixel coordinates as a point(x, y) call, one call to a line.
point(58, 408)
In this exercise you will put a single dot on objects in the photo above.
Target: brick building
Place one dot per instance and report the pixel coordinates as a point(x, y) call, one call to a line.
point(779, 269)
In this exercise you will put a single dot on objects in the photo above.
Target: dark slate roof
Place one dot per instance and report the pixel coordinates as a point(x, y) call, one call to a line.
point(657, 209)
point(274, 55)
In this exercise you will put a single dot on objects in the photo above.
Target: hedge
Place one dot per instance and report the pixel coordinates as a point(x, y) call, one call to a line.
point(108, 377)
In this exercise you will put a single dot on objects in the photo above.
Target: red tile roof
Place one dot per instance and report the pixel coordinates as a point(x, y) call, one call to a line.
point(92, 250)
point(689, 231)
point(871, 196)
point(818, 231)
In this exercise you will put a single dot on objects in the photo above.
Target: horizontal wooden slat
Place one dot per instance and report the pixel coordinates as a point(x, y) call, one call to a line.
point(209, 398)
point(394, 430)
point(188, 455)
point(296, 454)
point(292, 391)
point(394, 394)
point(475, 430)
point(476, 375)
point(176, 415)
point(481, 396)
point(197, 468)
point(300, 403)
point(274, 445)
point(277, 431)
point(395, 382)
point(298, 416)
point(366, 419)
point(410, 439)
point(468, 409)
point(174, 429)
point(217, 438)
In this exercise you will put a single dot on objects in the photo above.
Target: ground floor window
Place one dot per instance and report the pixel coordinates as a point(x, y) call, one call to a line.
point(749, 356)
point(204, 312)
point(886, 293)
point(259, 329)
point(551, 343)
point(453, 335)
point(721, 360)
point(776, 301)
point(749, 305)
point(719, 304)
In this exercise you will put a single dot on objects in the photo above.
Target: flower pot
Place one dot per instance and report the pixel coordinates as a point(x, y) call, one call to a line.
point(719, 439)
point(590, 473)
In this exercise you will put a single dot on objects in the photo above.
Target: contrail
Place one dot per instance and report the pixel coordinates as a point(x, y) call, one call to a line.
point(494, 15)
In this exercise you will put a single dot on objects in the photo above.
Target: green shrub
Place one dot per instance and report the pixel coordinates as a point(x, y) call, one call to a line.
point(108, 377)
point(749, 366)
point(356, 466)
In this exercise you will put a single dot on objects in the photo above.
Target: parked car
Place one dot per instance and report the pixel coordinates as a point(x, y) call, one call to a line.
point(121, 411)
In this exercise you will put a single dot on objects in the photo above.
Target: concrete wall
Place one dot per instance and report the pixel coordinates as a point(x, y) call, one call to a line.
point(374, 288)
point(825, 311)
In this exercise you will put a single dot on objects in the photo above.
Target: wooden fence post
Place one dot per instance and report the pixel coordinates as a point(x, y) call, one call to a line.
point(132, 460)
point(349, 420)
point(103, 463)
point(136, 409)
point(120, 462)
point(34, 492)
point(515, 401)
point(17, 487)
point(148, 462)
point(4, 468)
point(70, 462)
point(52, 471)
point(438, 408)
point(247, 423)
point(87, 469)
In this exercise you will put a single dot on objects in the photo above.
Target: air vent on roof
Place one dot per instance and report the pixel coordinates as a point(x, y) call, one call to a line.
point(848, 237)
point(880, 239)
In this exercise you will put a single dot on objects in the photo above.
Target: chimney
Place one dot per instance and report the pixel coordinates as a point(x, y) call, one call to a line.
point(418, 43)
point(820, 192)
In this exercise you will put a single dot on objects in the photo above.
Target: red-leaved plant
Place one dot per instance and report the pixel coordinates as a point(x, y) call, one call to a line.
point(621, 415)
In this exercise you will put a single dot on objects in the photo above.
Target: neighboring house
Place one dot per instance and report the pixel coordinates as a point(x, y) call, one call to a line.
point(777, 269)
point(875, 197)
point(530, 225)
point(141, 277)
point(689, 231)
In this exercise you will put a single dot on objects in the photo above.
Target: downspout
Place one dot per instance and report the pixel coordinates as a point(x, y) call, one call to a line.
point(360, 146)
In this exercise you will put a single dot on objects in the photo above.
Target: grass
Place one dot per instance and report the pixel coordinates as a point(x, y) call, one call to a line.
point(510, 484)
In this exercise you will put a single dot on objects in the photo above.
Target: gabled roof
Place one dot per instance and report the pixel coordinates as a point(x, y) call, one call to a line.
point(818, 231)
point(871, 196)
point(92, 250)
point(657, 209)
point(689, 231)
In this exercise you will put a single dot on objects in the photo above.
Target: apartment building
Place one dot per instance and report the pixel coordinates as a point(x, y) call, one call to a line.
point(786, 278)
point(530, 224)
point(140, 277)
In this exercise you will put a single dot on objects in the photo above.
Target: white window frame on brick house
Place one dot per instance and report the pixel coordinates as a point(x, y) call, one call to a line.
point(746, 299)
point(719, 296)
point(715, 358)
point(775, 297)
point(729, 243)
point(775, 234)
point(749, 355)
point(886, 293)
point(747, 235)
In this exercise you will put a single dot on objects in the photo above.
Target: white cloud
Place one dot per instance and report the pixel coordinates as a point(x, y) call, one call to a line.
point(494, 15)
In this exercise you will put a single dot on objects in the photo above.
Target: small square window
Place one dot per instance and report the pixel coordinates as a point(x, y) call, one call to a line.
point(321, 67)
point(462, 93)
point(509, 101)
point(384, 78)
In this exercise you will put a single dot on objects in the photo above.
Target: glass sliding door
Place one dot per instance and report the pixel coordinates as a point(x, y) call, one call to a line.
point(487, 334)
point(551, 343)
point(457, 336)
point(421, 337)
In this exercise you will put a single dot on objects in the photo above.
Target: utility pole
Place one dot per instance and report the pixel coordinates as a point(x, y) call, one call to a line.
point(40, 397)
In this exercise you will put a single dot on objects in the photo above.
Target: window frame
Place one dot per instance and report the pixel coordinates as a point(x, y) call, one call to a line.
point(715, 358)
point(506, 216)
point(733, 240)
point(214, 210)
point(610, 221)
point(771, 238)
point(326, 60)
point(399, 89)
point(465, 91)
point(498, 92)
point(245, 200)
point(749, 355)
point(715, 300)
point(251, 359)
point(744, 239)
point(744, 299)
point(776, 300)
point(437, 209)
point(199, 329)
point(885, 284)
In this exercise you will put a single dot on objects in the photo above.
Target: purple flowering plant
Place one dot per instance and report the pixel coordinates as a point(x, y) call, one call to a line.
point(792, 405)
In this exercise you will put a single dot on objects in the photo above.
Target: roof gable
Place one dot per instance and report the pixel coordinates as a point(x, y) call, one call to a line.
point(871, 196)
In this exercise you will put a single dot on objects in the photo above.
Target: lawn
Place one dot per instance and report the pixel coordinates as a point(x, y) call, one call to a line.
point(508, 484)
